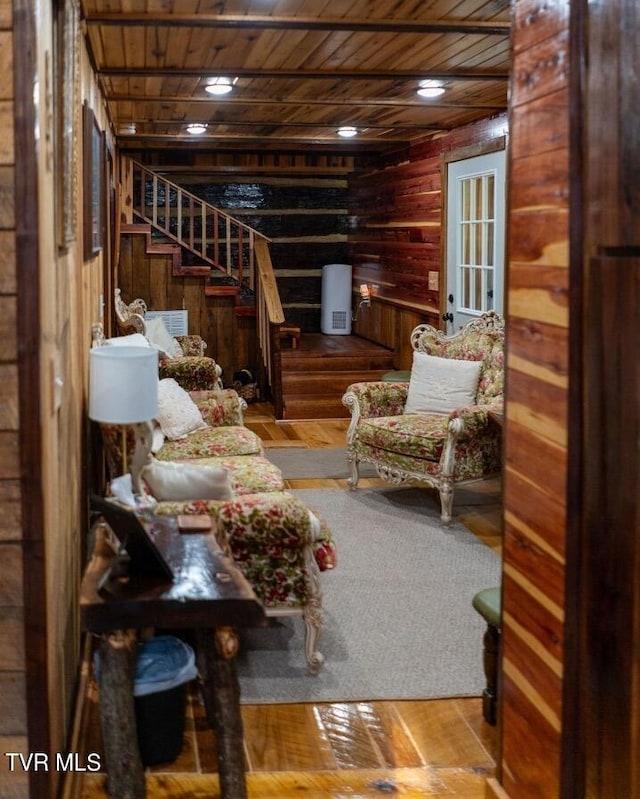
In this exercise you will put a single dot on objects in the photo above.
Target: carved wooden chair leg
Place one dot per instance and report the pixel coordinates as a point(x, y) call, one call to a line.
point(313, 620)
point(354, 476)
point(445, 490)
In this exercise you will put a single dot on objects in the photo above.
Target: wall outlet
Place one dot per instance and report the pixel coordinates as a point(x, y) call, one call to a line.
point(434, 281)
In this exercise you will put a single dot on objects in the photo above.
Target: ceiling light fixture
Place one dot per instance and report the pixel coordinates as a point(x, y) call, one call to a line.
point(347, 131)
point(220, 86)
point(430, 88)
point(196, 128)
point(127, 129)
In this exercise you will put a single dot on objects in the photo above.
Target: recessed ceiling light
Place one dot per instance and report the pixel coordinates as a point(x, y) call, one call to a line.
point(196, 127)
point(430, 88)
point(347, 131)
point(220, 86)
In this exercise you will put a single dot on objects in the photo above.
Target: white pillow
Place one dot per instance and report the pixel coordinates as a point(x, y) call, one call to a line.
point(440, 385)
point(160, 338)
point(177, 415)
point(134, 340)
point(176, 481)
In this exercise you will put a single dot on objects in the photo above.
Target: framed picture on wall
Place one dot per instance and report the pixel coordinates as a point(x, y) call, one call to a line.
point(93, 152)
point(67, 89)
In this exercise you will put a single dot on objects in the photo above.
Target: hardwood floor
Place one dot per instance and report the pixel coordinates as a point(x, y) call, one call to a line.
point(437, 748)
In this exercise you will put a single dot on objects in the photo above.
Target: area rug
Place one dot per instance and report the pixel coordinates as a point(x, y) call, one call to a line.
point(398, 617)
point(324, 462)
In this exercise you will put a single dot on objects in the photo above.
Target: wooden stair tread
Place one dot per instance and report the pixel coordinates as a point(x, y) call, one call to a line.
point(319, 371)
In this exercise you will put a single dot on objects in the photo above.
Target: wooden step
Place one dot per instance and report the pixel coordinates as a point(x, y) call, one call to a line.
point(300, 406)
point(316, 374)
point(325, 384)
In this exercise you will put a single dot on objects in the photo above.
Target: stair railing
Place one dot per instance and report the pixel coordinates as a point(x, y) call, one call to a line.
point(220, 240)
point(269, 318)
point(217, 238)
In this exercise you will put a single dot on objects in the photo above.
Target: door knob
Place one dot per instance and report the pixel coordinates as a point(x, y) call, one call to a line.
point(447, 317)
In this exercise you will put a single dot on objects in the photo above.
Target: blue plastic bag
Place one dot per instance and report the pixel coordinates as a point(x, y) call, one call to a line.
point(162, 663)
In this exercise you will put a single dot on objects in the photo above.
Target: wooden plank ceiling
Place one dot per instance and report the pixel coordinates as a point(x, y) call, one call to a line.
point(301, 69)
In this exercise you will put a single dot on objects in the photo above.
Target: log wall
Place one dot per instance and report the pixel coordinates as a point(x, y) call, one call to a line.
point(298, 201)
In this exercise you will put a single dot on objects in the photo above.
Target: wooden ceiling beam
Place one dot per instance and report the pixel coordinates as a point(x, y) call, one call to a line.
point(279, 124)
point(481, 27)
point(302, 74)
point(373, 102)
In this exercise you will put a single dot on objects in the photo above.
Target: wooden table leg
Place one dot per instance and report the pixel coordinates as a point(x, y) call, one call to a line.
point(125, 774)
point(216, 651)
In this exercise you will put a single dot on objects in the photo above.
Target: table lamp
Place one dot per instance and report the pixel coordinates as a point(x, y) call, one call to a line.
point(123, 389)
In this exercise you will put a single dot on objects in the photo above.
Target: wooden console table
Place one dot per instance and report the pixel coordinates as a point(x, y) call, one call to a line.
point(208, 595)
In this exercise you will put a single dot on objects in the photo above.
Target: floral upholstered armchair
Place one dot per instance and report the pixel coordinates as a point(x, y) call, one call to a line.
point(181, 357)
point(435, 429)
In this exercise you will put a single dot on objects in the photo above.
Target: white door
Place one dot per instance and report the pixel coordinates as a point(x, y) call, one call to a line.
point(475, 238)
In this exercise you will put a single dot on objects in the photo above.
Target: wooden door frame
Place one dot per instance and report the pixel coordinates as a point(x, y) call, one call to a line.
point(463, 154)
point(600, 727)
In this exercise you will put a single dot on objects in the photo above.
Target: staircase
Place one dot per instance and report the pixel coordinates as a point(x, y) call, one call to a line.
point(306, 381)
point(316, 374)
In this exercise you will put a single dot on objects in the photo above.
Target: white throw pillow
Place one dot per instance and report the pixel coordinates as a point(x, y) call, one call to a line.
point(441, 385)
point(160, 338)
point(176, 481)
point(134, 340)
point(177, 415)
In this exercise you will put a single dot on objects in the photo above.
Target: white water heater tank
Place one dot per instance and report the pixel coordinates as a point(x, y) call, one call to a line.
point(336, 299)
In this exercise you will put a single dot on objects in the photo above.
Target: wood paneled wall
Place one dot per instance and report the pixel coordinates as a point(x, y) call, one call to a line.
point(49, 297)
point(395, 237)
point(230, 337)
point(13, 718)
point(396, 234)
point(537, 408)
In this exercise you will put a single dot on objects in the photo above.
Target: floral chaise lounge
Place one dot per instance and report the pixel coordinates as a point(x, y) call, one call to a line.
point(280, 546)
point(436, 428)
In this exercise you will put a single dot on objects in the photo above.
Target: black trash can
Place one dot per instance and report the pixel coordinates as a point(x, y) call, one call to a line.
point(164, 666)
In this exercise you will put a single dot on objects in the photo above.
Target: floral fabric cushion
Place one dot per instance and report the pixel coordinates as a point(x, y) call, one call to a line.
point(192, 345)
point(249, 474)
point(475, 456)
point(418, 436)
point(193, 373)
point(440, 385)
point(177, 415)
point(212, 442)
point(218, 408)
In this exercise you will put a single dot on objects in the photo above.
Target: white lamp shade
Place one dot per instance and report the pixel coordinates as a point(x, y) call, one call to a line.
point(123, 384)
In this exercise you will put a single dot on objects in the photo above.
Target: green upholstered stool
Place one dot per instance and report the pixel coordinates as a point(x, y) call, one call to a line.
point(396, 377)
point(488, 603)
